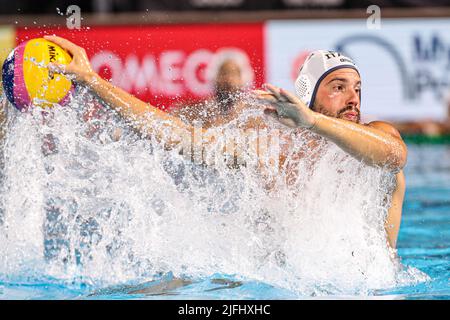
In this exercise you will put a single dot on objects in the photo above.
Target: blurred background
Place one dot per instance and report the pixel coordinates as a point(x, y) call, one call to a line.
point(170, 52)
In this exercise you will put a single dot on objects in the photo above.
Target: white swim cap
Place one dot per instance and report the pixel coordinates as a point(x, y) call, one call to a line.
point(315, 68)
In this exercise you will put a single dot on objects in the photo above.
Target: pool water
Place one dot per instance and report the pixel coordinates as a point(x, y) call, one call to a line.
point(424, 243)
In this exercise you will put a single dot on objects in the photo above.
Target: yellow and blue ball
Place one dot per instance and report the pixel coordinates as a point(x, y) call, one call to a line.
point(26, 79)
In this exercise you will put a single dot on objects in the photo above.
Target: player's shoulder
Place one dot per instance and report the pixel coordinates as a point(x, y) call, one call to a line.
point(386, 127)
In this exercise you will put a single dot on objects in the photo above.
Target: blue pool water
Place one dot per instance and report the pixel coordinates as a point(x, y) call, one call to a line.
point(424, 243)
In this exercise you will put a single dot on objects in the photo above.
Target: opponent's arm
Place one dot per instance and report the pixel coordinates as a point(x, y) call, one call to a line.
point(375, 144)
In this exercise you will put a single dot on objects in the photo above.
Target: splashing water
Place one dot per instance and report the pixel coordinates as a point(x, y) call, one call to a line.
point(81, 205)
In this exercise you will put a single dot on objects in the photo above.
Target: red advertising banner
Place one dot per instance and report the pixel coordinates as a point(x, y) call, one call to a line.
point(168, 64)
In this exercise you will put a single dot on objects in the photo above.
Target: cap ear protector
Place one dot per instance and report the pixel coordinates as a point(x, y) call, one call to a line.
point(316, 67)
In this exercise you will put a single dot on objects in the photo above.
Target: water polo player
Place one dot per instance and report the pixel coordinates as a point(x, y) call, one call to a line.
point(328, 104)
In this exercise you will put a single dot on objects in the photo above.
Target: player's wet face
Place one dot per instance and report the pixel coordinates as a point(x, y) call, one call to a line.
point(338, 95)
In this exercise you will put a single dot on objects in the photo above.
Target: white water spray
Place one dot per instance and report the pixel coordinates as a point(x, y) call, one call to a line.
point(77, 204)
